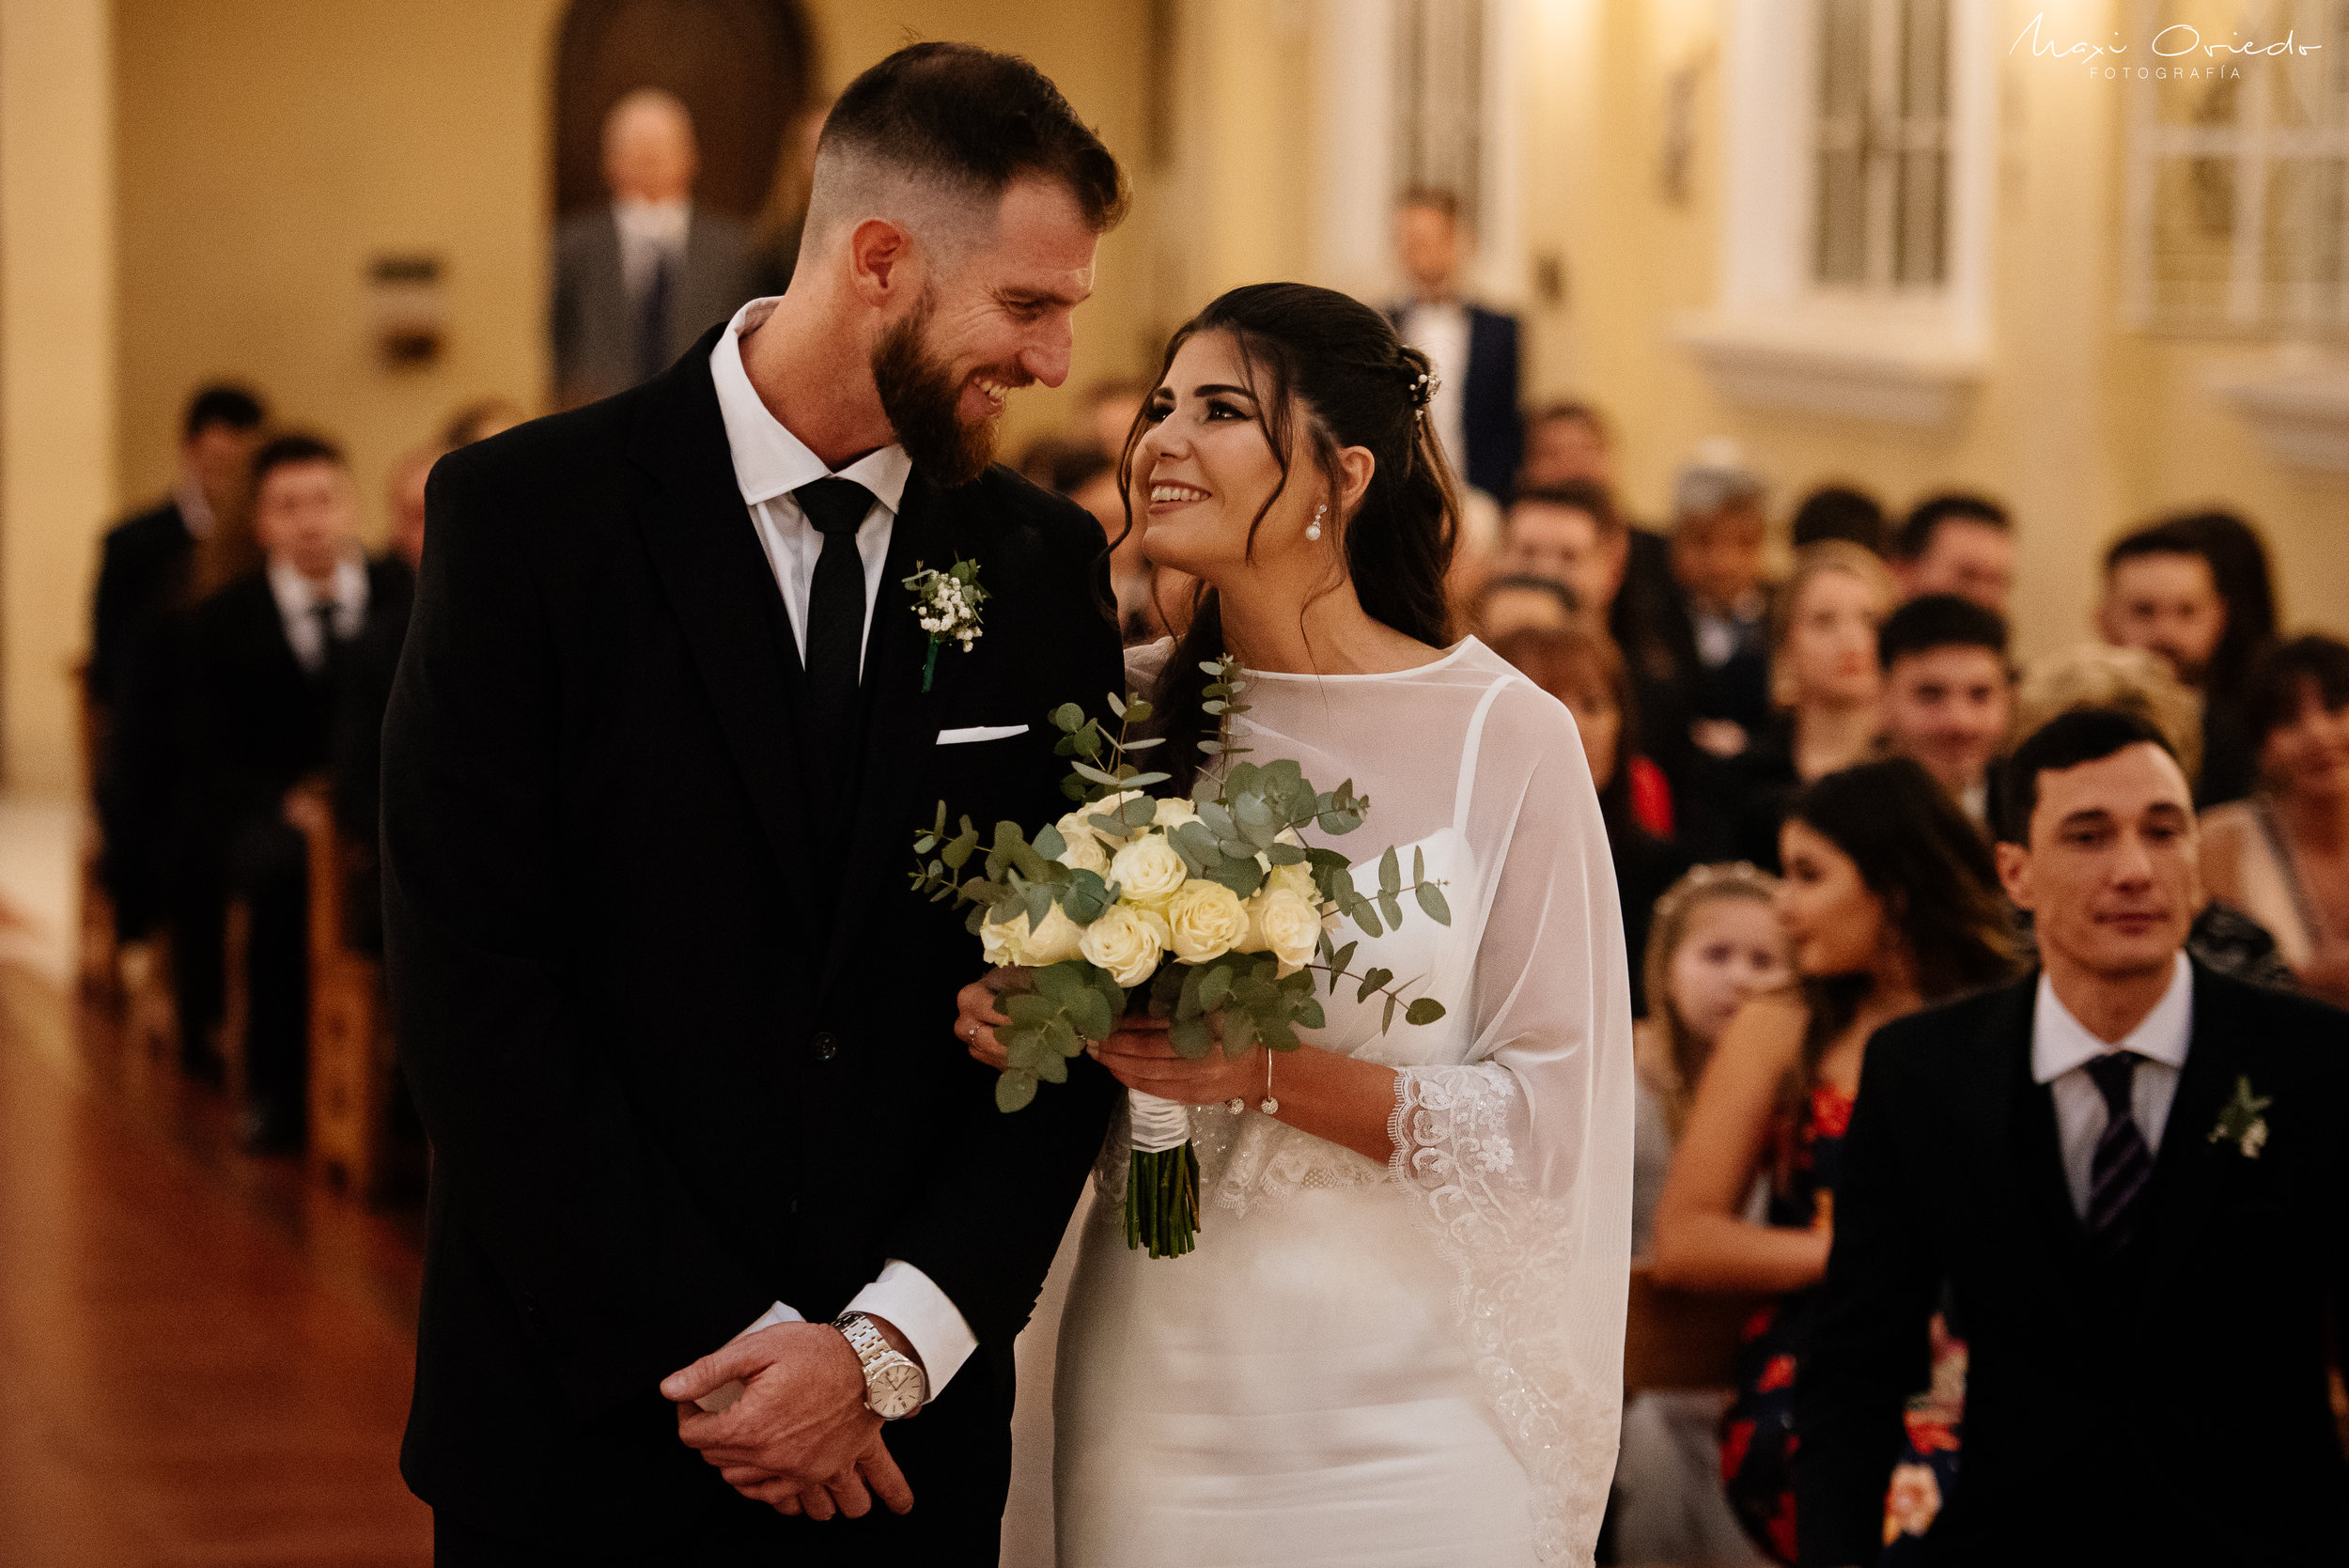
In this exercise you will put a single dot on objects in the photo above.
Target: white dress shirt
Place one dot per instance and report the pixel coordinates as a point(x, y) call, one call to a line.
point(1439, 329)
point(651, 232)
point(195, 507)
point(298, 599)
point(2061, 1047)
point(769, 462)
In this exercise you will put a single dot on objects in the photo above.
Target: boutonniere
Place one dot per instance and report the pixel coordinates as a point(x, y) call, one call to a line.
point(2240, 1122)
point(947, 603)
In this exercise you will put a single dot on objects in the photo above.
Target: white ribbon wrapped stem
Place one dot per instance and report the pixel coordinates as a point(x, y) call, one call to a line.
point(1158, 1124)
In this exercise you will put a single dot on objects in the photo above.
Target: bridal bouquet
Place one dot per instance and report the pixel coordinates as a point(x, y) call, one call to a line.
point(1212, 913)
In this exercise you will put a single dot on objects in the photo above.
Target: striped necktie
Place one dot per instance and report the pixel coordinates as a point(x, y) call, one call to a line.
point(2121, 1164)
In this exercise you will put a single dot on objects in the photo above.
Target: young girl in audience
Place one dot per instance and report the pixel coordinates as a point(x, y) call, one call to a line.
point(1890, 901)
point(1823, 682)
point(1715, 945)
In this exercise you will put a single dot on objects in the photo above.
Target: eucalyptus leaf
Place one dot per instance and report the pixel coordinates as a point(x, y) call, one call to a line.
point(1069, 717)
point(1390, 875)
point(1215, 984)
point(1085, 771)
point(1091, 1016)
point(1053, 1068)
point(1386, 1020)
point(1117, 704)
point(1431, 899)
point(1390, 905)
point(1239, 1031)
point(1310, 1015)
point(1145, 745)
point(1284, 854)
point(1136, 713)
point(1060, 1040)
point(1049, 843)
point(1426, 1010)
point(1190, 1005)
point(1013, 1091)
point(1371, 981)
point(1030, 1009)
point(1217, 819)
point(1337, 964)
point(927, 843)
point(1191, 1038)
point(1242, 875)
point(1023, 1049)
point(1276, 1033)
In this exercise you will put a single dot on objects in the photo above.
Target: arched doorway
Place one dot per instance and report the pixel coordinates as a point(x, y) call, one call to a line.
point(743, 67)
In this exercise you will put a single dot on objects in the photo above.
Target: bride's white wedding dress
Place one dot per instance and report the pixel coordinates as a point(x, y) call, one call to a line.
point(1418, 1362)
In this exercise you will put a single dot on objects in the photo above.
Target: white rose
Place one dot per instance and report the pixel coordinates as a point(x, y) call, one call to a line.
point(1205, 921)
point(1175, 810)
point(1285, 925)
point(1149, 871)
point(1298, 879)
point(1001, 942)
point(1055, 941)
point(1125, 943)
point(1084, 850)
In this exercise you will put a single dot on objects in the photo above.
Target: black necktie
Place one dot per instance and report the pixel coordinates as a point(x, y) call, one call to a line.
point(652, 321)
point(835, 615)
point(2122, 1163)
point(324, 613)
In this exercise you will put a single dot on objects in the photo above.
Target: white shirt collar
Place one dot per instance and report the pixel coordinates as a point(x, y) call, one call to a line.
point(297, 596)
point(770, 461)
point(661, 223)
point(195, 507)
point(2060, 1043)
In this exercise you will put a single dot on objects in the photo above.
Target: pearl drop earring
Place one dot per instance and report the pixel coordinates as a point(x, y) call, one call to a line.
point(1312, 529)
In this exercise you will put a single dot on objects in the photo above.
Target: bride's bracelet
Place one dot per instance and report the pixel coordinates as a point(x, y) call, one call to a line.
point(1269, 1106)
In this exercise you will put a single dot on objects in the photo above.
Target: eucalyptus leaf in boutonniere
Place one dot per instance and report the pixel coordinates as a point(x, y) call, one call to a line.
point(2240, 1122)
point(947, 603)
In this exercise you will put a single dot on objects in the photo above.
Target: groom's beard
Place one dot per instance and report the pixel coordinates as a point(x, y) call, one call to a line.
point(922, 401)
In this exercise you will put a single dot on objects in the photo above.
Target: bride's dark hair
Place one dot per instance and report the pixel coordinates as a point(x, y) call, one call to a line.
point(1330, 361)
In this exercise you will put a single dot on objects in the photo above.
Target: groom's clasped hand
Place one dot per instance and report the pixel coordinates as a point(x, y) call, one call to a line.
point(800, 1437)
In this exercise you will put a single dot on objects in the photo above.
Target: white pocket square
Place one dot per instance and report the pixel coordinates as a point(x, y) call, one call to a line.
point(980, 732)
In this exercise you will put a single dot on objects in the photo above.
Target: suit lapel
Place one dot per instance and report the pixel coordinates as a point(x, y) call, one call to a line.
point(2175, 1198)
point(901, 723)
point(706, 556)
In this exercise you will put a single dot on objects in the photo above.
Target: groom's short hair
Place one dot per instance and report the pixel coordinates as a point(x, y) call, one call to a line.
point(940, 127)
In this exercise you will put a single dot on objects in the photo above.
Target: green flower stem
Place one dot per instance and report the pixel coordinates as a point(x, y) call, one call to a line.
point(1163, 1201)
point(930, 667)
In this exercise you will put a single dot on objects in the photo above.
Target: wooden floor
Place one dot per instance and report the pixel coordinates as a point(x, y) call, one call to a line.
point(204, 1358)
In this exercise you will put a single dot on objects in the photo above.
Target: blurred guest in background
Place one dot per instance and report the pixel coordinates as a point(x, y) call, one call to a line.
point(1825, 684)
point(2136, 682)
point(403, 536)
point(2282, 856)
point(1716, 944)
point(1891, 903)
point(2126, 1170)
point(1523, 601)
point(1957, 544)
point(1580, 668)
point(265, 662)
point(479, 421)
point(1841, 512)
point(1565, 442)
point(144, 579)
point(1717, 559)
point(2161, 594)
point(635, 283)
point(1106, 412)
point(1948, 693)
point(1088, 476)
point(1474, 349)
point(1568, 532)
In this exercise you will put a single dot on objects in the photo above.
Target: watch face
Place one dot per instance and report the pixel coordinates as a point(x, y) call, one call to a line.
point(895, 1391)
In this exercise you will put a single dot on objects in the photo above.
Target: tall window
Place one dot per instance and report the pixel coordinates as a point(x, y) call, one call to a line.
point(1882, 145)
point(2238, 171)
point(1440, 98)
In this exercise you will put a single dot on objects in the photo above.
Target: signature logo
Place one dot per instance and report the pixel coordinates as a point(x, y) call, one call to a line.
point(2179, 42)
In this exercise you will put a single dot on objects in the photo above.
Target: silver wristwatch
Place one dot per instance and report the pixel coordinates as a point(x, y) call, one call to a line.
point(893, 1385)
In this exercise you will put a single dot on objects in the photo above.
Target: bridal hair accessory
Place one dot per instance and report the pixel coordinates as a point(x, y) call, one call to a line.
point(946, 604)
point(1211, 914)
point(1312, 529)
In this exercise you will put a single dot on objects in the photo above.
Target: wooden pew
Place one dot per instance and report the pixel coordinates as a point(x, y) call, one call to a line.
point(1676, 1338)
point(350, 1037)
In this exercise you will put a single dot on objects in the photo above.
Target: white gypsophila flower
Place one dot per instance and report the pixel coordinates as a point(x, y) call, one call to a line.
point(1125, 943)
point(1205, 921)
point(1147, 871)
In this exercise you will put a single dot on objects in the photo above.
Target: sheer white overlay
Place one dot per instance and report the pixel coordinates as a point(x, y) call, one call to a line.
point(1418, 1364)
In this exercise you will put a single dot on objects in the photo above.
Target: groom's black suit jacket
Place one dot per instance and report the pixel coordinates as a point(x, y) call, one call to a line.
point(2168, 1408)
point(666, 1083)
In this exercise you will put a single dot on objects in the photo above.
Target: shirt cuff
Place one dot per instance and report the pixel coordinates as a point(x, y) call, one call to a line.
point(911, 1301)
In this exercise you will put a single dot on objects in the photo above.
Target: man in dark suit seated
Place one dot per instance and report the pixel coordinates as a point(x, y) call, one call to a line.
point(2129, 1175)
point(267, 658)
point(143, 584)
point(635, 283)
point(1474, 349)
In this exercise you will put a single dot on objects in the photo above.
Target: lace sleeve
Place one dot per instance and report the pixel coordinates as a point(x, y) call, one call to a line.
point(1522, 1158)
